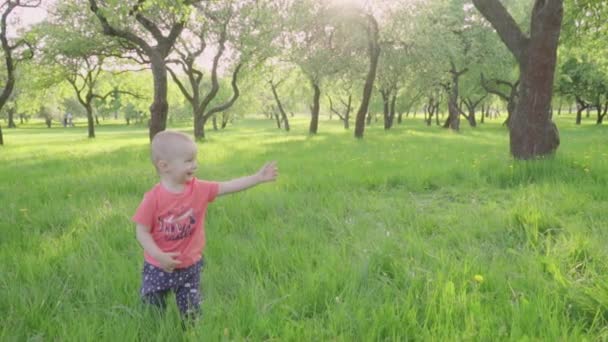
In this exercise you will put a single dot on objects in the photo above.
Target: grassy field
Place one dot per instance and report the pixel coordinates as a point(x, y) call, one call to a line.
point(412, 234)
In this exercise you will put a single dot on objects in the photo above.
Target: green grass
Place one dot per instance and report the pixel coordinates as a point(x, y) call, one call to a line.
point(378, 239)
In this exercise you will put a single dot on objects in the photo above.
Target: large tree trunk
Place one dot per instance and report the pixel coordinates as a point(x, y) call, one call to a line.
point(532, 132)
point(1, 137)
point(373, 51)
point(314, 110)
point(160, 107)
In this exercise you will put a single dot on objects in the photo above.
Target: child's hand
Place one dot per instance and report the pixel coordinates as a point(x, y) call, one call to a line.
point(168, 261)
point(268, 172)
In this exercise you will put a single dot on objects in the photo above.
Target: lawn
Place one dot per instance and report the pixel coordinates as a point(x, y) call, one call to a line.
point(417, 233)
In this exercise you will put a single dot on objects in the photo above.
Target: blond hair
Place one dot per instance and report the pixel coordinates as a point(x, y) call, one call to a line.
point(167, 143)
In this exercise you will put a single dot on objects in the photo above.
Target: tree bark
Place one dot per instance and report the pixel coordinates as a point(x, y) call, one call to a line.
point(600, 115)
point(90, 121)
point(8, 59)
point(11, 118)
point(160, 106)
point(580, 107)
point(532, 133)
point(347, 114)
point(373, 50)
point(453, 120)
point(386, 93)
point(280, 107)
point(391, 117)
point(314, 109)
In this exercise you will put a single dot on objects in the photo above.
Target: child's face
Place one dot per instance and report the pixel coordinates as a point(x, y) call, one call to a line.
point(181, 165)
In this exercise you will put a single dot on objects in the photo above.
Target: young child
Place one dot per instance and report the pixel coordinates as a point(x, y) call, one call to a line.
point(170, 221)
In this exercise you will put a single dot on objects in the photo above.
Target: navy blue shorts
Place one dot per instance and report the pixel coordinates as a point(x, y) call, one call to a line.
point(184, 282)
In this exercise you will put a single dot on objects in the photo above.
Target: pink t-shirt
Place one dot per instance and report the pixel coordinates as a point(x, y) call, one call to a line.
point(177, 220)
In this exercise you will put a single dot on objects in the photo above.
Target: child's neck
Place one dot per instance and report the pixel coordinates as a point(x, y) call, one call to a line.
point(172, 186)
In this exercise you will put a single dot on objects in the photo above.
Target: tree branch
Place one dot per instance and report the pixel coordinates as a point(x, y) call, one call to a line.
point(180, 85)
point(111, 31)
point(505, 25)
point(235, 94)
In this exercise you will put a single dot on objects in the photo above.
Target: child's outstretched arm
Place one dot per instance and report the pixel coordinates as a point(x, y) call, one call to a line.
point(267, 173)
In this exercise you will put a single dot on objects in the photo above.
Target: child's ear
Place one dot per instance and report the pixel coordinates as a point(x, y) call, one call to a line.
point(162, 165)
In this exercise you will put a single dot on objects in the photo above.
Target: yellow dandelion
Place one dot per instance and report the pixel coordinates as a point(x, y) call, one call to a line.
point(478, 278)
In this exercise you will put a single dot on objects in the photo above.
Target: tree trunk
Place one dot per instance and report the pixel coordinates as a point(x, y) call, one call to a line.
point(579, 115)
point(600, 116)
point(280, 106)
point(160, 107)
point(436, 109)
point(373, 50)
point(214, 120)
point(453, 120)
point(199, 120)
point(225, 120)
point(277, 119)
point(347, 114)
point(471, 117)
point(386, 107)
point(11, 120)
point(532, 133)
point(391, 117)
point(314, 110)
point(1, 137)
point(90, 121)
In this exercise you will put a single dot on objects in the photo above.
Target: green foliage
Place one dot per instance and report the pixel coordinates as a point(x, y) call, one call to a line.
point(585, 80)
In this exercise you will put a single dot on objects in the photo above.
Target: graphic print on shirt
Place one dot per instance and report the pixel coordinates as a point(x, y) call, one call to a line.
point(177, 224)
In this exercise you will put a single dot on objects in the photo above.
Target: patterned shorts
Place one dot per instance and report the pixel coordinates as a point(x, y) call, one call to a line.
point(184, 282)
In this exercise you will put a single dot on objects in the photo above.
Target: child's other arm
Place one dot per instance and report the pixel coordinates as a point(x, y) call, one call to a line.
point(267, 173)
point(167, 261)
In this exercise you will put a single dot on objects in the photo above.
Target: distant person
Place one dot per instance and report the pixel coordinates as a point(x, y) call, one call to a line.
point(170, 221)
point(69, 118)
